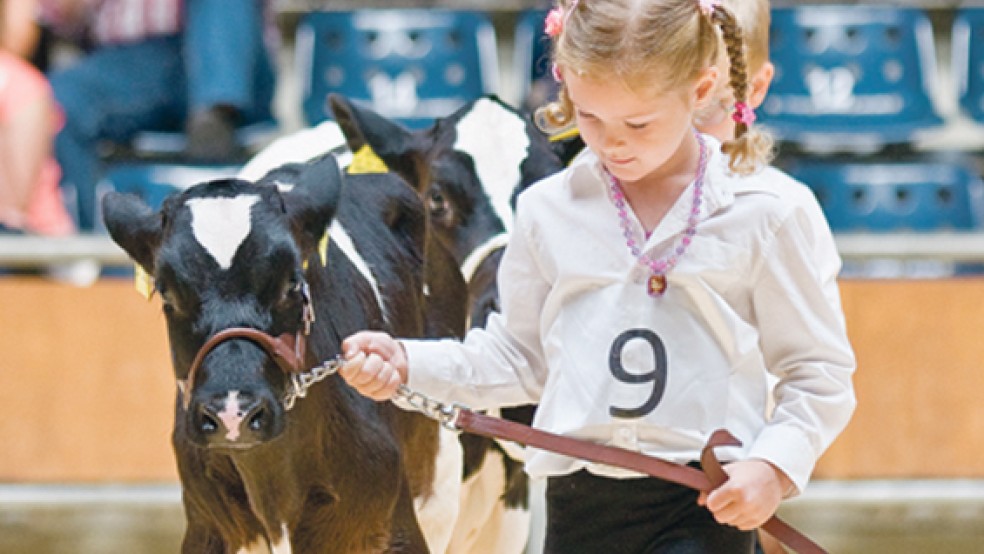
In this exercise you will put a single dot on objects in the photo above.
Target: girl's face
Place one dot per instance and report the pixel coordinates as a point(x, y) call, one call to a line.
point(636, 134)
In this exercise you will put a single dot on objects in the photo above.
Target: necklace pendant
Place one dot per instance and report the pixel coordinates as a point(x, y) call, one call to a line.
point(656, 285)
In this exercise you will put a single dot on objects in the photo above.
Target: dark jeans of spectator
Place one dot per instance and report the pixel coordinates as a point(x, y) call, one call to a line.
point(116, 91)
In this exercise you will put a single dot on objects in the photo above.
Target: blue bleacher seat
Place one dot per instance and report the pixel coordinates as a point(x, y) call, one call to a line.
point(411, 65)
point(851, 77)
point(917, 196)
point(532, 60)
point(251, 138)
point(967, 61)
point(154, 182)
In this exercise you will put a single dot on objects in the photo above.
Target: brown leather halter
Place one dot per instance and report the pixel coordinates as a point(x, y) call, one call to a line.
point(288, 350)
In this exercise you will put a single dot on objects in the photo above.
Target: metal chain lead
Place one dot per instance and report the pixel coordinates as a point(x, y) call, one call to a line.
point(444, 414)
point(301, 382)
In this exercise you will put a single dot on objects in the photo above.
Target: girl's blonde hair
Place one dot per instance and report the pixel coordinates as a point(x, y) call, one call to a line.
point(647, 44)
point(754, 17)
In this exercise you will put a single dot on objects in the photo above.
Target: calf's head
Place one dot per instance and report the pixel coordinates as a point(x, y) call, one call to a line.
point(468, 168)
point(231, 254)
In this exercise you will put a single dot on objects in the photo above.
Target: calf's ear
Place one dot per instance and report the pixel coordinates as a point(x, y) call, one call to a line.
point(362, 126)
point(396, 145)
point(312, 198)
point(135, 227)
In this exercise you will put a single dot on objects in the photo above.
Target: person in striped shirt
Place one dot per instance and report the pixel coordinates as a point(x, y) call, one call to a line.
point(201, 65)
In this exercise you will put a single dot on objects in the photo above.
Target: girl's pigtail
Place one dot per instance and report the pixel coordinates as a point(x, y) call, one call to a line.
point(751, 147)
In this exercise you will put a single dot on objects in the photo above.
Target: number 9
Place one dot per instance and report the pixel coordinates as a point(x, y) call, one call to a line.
point(657, 376)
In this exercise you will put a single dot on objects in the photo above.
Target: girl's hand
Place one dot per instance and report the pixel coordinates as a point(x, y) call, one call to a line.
point(749, 497)
point(375, 364)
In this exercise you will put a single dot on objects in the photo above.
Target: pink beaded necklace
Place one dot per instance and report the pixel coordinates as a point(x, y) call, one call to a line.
point(659, 267)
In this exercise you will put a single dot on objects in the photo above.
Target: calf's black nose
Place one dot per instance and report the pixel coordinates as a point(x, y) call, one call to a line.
point(235, 419)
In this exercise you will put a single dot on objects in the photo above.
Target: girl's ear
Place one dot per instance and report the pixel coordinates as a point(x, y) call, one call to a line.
point(759, 85)
point(705, 87)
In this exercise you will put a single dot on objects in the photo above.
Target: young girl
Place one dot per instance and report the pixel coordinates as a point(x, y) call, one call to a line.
point(647, 292)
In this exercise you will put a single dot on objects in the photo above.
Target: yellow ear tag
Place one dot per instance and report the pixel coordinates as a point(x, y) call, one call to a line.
point(323, 249)
point(366, 161)
point(143, 282)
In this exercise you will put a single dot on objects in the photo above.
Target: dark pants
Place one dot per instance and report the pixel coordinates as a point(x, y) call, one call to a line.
point(587, 514)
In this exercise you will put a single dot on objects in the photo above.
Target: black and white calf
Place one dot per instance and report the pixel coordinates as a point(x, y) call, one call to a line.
point(467, 167)
point(477, 160)
point(299, 259)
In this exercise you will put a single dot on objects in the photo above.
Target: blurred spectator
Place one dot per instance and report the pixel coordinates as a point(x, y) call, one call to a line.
point(164, 65)
point(231, 78)
point(753, 16)
point(19, 35)
point(30, 200)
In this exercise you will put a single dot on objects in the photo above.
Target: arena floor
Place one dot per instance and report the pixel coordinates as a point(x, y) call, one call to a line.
point(869, 517)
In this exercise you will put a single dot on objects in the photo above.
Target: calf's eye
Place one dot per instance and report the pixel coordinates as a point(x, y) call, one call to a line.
point(290, 290)
point(437, 203)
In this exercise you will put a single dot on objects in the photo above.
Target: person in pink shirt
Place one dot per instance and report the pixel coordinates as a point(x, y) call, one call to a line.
point(199, 66)
point(30, 199)
point(15, 36)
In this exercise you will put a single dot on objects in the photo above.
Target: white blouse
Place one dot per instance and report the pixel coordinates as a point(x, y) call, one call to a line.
point(753, 302)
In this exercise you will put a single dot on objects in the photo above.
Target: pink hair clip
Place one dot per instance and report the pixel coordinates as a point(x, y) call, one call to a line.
point(708, 6)
point(554, 23)
point(555, 71)
point(743, 114)
point(557, 18)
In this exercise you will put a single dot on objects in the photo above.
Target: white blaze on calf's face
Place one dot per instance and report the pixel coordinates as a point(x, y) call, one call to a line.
point(222, 224)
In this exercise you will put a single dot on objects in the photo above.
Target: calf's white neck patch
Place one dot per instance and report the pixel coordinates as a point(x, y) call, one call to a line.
point(261, 545)
point(496, 140)
point(282, 546)
point(342, 239)
point(222, 224)
point(258, 546)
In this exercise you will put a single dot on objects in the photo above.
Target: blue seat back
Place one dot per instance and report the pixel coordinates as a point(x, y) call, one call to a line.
point(153, 182)
point(251, 137)
point(532, 59)
point(967, 62)
point(893, 196)
point(850, 77)
point(411, 65)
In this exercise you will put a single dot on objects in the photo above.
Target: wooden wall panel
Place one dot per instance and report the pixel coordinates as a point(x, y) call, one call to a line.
point(87, 390)
point(920, 380)
point(85, 383)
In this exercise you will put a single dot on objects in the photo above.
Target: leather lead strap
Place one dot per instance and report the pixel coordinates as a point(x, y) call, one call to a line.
point(707, 480)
